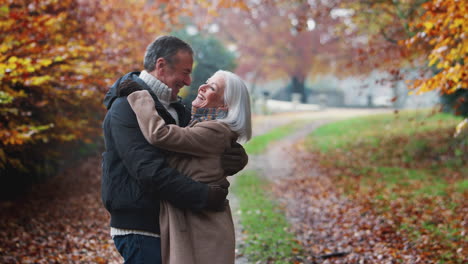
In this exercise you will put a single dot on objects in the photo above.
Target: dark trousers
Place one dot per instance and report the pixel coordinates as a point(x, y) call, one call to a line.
point(139, 249)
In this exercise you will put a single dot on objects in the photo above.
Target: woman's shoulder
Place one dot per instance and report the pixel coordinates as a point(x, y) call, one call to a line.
point(214, 125)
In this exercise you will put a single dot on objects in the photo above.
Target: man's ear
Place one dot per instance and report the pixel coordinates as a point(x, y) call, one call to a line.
point(160, 65)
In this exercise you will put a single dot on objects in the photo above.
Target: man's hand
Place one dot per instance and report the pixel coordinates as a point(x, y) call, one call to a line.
point(234, 159)
point(216, 197)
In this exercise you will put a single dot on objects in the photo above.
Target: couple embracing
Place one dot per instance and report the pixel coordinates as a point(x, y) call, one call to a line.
point(165, 166)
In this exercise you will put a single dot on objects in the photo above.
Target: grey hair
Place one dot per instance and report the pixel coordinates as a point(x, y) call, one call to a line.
point(164, 47)
point(237, 100)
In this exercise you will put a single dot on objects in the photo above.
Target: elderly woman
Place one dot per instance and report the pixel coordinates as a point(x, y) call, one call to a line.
point(220, 115)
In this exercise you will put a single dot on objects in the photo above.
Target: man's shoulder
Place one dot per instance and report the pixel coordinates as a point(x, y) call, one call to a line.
point(121, 102)
point(121, 108)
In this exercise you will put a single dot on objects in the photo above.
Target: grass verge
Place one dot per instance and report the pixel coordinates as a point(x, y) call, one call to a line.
point(258, 144)
point(408, 168)
point(265, 226)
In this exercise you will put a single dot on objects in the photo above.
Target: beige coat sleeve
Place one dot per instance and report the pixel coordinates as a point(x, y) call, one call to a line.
point(204, 138)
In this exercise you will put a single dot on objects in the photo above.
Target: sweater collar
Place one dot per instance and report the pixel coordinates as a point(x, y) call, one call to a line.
point(204, 114)
point(161, 90)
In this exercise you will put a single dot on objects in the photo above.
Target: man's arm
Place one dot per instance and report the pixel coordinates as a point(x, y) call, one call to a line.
point(147, 165)
point(234, 159)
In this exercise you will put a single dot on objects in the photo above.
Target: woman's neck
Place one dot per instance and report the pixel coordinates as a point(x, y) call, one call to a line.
point(204, 114)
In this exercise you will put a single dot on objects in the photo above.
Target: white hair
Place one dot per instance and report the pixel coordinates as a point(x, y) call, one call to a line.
point(237, 100)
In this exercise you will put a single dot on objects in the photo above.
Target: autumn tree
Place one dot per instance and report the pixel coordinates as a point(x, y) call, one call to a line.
point(372, 31)
point(443, 29)
point(57, 60)
point(427, 36)
point(45, 67)
point(277, 39)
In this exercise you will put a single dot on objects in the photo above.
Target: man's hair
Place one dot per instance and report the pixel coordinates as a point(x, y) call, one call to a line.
point(237, 99)
point(164, 47)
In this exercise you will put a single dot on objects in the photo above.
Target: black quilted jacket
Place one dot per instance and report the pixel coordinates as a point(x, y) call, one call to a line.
point(135, 176)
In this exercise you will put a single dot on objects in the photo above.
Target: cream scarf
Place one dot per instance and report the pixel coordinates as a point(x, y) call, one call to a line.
point(162, 91)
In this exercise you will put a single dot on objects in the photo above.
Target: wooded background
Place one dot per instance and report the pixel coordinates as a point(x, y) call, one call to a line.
point(58, 58)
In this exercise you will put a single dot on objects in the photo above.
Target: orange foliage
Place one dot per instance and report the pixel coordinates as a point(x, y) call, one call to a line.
point(59, 57)
point(397, 34)
point(57, 60)
point(443, 28)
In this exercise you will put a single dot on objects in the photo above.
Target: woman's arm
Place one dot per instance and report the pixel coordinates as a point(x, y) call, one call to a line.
point(204, 138)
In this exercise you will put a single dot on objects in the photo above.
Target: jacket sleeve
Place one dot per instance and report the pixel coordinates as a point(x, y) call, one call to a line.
point(200, 140)
point(147, 164)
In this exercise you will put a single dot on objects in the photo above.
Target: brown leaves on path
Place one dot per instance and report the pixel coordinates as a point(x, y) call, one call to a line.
point(327, 222)
point(62, 221)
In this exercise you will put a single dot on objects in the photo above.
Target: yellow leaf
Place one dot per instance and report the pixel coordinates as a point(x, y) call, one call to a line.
point(428, 25)
point(3, 48)
point(38, 80)
point(433, 60)
point(45, 62)
point(12, 59)
point(457, 22)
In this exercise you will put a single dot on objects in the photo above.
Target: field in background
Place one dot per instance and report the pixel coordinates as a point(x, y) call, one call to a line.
point(406, 167)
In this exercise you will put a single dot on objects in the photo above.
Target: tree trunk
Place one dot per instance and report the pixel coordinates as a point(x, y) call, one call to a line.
point(297, 85)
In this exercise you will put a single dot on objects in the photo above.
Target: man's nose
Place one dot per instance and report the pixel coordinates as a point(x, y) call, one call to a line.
point(188, 80)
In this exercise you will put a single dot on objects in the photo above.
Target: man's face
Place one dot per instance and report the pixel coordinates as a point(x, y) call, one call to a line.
point(177, 75)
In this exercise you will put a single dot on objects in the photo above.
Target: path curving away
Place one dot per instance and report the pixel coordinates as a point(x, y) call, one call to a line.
point(325, 222)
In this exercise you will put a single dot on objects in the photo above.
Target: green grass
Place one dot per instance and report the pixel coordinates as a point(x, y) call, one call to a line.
point(462, 186)
point(266, 228)
point(370, 129)
point(402, 165)
point(259, 143)
point(421, 183)
point(265, 225)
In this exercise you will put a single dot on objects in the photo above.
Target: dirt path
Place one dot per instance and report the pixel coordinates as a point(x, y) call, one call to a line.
point(277, 161)
point(325, 222)
point(63, 221)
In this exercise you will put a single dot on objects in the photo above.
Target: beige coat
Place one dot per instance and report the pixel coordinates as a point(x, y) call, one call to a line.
point(186, 237)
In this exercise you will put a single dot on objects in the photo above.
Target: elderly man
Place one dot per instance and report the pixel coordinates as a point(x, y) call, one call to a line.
point(135, 177)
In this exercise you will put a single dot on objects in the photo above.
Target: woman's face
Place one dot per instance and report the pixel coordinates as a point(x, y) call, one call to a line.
point(211, 94)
